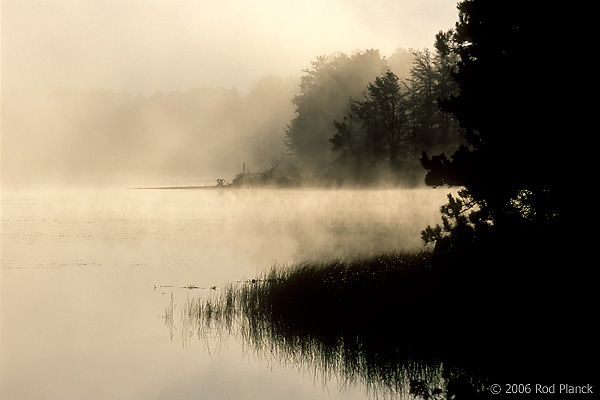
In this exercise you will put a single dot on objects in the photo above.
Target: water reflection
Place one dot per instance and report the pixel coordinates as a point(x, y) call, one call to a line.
point(168, 317)
point(367, 342)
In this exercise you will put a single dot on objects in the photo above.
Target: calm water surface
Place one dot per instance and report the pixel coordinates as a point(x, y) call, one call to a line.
point(88, 274)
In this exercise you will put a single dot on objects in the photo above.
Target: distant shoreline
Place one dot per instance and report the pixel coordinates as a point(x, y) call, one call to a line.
point(179, 187)
point(276, 186)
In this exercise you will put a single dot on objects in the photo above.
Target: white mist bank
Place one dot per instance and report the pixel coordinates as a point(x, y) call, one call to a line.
point(107, 259)
point(258, 226)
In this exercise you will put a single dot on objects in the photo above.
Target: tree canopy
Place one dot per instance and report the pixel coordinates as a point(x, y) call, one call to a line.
point(382, 135)
point(509, 167)
point(324, 92)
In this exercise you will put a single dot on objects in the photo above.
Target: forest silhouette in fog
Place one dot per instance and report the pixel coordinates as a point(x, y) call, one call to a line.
point(494, 291)
point(504, 294)
point(477, 113)
point(326, 127)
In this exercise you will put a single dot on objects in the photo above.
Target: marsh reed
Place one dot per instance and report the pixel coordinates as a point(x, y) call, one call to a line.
point(374, 322)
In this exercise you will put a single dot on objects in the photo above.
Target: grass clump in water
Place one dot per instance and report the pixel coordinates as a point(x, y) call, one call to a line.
point(368, 321)
point(340, 293)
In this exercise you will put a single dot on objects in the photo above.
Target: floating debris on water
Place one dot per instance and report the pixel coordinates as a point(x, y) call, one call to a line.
point(190, 287)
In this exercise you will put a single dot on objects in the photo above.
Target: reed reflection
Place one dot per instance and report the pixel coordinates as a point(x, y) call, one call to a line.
point(345, 321)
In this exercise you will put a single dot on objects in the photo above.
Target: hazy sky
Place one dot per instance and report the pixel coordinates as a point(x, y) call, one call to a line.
point(149, 45)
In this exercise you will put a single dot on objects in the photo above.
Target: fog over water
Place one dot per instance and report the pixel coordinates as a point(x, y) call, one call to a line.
point(144, 92)
point(87, 275)
point(100, 98)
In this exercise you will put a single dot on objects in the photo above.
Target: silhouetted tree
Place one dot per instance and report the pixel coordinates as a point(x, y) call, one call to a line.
point(423, 96)
point(383, 114)
point(398, 119)
point(373, 137)
point(323, 98)
point(508, 166)
point(346, 141)
point(449, 133)
point(434, 130)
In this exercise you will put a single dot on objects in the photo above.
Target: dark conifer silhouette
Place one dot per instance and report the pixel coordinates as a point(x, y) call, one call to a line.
point(511, 164)
point(505, 236)
point(324, 93)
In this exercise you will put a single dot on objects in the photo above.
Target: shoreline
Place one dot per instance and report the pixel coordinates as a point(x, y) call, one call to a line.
point(281, 186)
point(179, 187)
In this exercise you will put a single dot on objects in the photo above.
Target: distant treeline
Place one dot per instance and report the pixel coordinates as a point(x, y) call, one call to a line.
point(198, 135)
point(359, 122)
point(332, 126)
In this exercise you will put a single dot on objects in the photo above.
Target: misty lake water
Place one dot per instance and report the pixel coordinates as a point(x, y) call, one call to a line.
point(88, 274)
